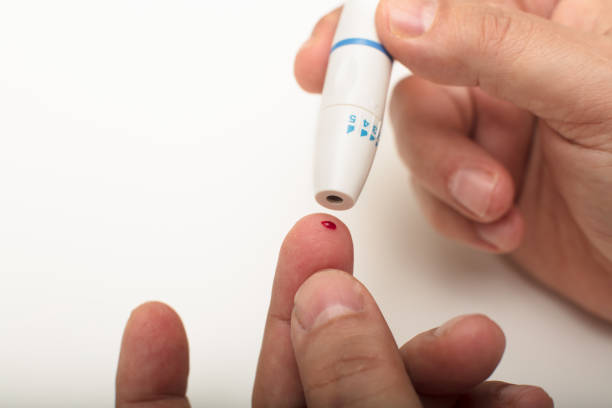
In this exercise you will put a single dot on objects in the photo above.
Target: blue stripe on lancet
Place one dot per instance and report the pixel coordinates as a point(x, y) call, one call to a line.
point(362, 41)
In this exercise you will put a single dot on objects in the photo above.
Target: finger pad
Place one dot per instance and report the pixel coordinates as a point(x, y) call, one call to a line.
point(311, 60)
point(535, 397)
point(154, 356)
point(309, 247)
point(310, 66)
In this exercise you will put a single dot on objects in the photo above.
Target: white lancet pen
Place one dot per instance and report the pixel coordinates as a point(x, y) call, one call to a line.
point(352, 107)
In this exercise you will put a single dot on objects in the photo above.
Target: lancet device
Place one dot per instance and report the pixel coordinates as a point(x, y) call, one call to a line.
point(352, 107)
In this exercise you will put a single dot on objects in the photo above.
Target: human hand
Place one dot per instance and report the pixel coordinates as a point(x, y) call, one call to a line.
point(326, 343)
point(318, 352)
point(506, 128)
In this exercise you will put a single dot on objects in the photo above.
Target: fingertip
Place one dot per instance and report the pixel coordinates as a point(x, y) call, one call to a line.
point(153, 309)
point(316, 242)
point(501, 394)
point(154, 357)
point(153, 320)
point(310, 66)
point(477, 185)
point(312, 223)
point(311, 60)
point(475, 331)
point(504, 235)
point(502, 196)
point(525, 396)
point(456, 356)
point(499, 237)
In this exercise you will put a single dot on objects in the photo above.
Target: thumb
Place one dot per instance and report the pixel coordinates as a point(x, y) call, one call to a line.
point(558, 74)
point(344, 350)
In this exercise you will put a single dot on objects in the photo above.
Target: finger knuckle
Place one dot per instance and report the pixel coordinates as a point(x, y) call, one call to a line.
point(501, 31)
point(502, 37)
point(343, 369)
point(344, 372)
point(494, 29)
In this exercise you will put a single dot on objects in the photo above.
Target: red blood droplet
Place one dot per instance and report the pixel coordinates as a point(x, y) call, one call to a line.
point(329, 225)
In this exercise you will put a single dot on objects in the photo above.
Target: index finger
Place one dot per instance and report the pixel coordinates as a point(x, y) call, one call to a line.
point(315, 243)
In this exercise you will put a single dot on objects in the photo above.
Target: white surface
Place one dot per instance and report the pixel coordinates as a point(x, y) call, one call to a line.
point(161, 150)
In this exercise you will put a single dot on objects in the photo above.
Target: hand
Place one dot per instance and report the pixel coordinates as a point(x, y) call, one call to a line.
point(506, 128)
point(327, 344)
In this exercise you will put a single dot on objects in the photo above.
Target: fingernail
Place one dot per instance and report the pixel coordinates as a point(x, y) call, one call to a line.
point(410, 18)
point(446, 327)
point(473, 188)
point(325, 296)
point(500, 234)
point(494, 234)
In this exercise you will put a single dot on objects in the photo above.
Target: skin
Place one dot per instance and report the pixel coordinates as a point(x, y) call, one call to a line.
point(349, 359)
point(520, 90)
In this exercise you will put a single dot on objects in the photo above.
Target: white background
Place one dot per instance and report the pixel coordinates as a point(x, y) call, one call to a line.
point(161, 150)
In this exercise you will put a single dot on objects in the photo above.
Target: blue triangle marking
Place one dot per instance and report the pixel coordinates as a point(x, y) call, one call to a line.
point(364, 132)
point(351, 128)
point(372, 137)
